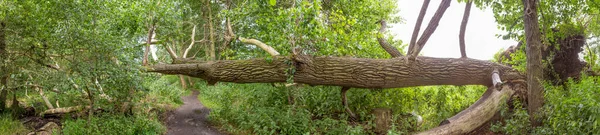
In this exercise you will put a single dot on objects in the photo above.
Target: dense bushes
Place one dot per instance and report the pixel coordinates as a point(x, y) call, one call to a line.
point(573, 108)
point(569, 109)
point(264, 109)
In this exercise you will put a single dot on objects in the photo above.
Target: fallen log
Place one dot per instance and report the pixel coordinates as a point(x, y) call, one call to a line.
point(64, 110)
point(477, 114)
point(345, 72)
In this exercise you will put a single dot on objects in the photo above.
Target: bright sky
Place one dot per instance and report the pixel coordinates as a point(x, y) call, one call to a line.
point(481, 42)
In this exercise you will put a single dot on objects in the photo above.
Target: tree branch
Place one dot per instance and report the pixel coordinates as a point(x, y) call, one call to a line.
point(417, 28)
point(148, 43)
point(463, 27)
point(345, 103)
point(262, 45)
point(191, 43)
point(433, 23)
point(384, 44)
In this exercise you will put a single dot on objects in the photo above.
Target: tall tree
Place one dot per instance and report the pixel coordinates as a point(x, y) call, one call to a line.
point(535, 90)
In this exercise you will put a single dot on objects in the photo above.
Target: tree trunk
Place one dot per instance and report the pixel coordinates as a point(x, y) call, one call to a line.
point(3, 71)
point(3, 93)
point(211, 30)
point(183, 82)
point(346, 72)
point(535, 95)
point(383, 120)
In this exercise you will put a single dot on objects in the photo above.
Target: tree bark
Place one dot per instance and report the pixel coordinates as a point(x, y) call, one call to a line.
point(535, 95)
point(433, 23)
point(463, 28)
point(346, 72)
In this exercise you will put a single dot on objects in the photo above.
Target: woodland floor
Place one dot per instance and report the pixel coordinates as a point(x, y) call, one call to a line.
point(190, 118)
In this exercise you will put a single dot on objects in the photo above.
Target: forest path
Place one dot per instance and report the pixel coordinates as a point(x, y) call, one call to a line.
point(190, 118)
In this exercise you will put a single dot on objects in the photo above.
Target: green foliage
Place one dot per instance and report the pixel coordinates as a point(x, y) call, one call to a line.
point(516, 122)
point(339, 28)
point(264, 109)
point(10, 126)
point(518, 59)
point(573, 108)
point(114, 125)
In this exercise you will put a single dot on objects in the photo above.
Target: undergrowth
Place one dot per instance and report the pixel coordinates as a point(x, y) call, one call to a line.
point(571, 109)
point(114, 125)
point(265, 109)
point(11, 126)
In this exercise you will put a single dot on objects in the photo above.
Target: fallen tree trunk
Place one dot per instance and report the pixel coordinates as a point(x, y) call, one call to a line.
point(477, 114)
point(344, 71)
point(369, 73)
point(64, 110)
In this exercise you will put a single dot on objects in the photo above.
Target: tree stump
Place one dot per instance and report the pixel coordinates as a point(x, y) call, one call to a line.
point(383, 120)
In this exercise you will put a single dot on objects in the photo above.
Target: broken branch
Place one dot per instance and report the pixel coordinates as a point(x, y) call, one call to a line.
point(262, 45)
point(191, 43)
point(384, 44)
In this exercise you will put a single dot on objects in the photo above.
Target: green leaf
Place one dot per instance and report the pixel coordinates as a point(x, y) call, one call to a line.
point(272, 2)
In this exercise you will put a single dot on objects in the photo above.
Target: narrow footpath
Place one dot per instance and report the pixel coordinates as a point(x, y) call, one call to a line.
point(190, 118)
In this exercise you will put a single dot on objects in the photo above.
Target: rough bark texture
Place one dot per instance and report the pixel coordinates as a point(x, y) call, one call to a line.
point(384, 44)
point(535, 95)
point(346, 72)
point(477, 114)
point(463, 28)
point(417, 28)
point(383, 120)
point(433, 23)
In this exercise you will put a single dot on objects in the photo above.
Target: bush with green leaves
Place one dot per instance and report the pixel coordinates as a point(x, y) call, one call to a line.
point(573, 108)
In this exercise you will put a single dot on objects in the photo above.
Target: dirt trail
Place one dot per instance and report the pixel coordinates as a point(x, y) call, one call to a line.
point(190, 118)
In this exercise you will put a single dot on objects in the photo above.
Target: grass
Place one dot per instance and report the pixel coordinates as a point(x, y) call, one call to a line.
point(114, 125)
point(10, 126)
